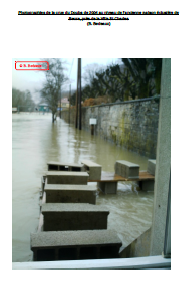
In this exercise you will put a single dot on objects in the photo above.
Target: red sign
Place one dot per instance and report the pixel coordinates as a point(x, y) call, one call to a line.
point(32, 65)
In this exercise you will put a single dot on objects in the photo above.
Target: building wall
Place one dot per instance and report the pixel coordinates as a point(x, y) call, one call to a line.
point(132, 125)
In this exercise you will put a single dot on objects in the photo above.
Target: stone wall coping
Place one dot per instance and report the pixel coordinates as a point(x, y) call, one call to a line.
point(70, 238)
point(69, 187)
point(72, 207)
point(122, 102)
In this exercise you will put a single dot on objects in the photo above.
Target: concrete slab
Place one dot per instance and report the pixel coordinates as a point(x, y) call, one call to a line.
point(151, 166)
point(64, 166)
point(72, 216)
point(146, 185)
point(93, 169)
point(70, 193)
point(127, 169)
point(69, 245)
point(67, 177)
point(108, 187)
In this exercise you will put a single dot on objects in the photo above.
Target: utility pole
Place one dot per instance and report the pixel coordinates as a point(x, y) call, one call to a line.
point(60, 103)
point(78, 96)
point(79, 93)
point(76, 119)
point(69, 100)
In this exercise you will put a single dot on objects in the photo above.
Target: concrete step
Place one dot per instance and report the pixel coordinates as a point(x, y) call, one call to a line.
point(56, 193)
point(58, 166)
point(67, 177)
point(72, 245)
point(126, 169)
point(72, 216)
point(93, 169)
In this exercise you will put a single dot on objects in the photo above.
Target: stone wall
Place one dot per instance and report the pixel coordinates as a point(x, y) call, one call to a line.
point(132, 125)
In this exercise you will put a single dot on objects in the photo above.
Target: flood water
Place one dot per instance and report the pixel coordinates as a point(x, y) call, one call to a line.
point(35, 141)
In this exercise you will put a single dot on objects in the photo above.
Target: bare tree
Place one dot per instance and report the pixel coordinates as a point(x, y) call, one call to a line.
point(22, 100)
point(89, 72)
point(51, 90)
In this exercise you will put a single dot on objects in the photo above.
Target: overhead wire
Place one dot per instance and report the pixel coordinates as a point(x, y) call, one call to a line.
point(71, 68)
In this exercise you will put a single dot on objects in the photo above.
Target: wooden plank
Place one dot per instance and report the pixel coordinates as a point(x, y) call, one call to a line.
point(108, 177)
point(111, 177)
point(144, 175)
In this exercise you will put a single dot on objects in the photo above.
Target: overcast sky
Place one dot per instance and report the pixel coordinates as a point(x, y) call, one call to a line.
point(33, 80)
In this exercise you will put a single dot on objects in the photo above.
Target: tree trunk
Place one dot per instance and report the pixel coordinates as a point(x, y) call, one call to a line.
point(53, 117)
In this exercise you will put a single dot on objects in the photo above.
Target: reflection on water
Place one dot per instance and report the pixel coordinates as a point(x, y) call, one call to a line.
point(35, 141)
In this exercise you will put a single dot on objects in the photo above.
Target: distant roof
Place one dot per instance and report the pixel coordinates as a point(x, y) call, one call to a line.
point(64, 100)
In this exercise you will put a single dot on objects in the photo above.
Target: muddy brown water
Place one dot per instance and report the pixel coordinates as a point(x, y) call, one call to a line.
point(35, 141)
